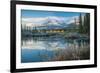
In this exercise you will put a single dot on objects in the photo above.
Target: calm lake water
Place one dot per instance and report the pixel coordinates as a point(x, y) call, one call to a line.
point(42, 49)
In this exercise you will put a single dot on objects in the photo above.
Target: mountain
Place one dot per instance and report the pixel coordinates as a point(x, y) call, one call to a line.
point(54, 21)
point(50, 22)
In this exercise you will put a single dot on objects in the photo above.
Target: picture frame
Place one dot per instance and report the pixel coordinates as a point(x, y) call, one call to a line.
point(29, 12)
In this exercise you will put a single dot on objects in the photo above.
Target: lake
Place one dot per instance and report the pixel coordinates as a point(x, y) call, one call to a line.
point(45, 49)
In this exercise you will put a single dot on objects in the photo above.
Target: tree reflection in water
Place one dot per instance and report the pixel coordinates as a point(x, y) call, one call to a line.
point(55, 49)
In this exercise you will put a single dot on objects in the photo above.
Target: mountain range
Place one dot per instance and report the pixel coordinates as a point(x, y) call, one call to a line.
point(50, 22)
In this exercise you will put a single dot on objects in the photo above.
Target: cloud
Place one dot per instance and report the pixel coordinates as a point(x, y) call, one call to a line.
point(32, 20)
point(72, 19)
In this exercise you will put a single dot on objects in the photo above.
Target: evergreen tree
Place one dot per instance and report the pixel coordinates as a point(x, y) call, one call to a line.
point(87, 23)
point(84, 24)
point(80, 24)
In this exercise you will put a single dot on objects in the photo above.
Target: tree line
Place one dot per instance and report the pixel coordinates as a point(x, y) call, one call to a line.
point(84, 23)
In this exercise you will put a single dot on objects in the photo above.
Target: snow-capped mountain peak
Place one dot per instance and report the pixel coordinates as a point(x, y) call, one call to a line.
point(49, 21)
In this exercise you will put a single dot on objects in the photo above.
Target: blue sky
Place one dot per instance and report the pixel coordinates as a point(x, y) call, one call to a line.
point(35, 13)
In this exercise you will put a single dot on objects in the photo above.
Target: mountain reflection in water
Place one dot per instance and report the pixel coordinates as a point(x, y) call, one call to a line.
point(43, 49)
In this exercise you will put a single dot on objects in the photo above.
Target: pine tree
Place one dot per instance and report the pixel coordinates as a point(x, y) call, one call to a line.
point(87, 23)
point(84, 24)
point(80, 24)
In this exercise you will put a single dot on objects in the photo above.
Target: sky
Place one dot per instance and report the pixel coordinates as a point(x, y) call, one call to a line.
point(39, 17)
point(37, 13)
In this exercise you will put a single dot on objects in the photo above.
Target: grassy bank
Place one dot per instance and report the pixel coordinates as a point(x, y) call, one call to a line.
point(72, 54)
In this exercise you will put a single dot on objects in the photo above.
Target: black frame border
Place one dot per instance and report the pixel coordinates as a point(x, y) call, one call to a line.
point(13, 35)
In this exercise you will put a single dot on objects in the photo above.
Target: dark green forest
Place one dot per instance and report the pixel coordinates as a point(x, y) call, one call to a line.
point(84, 26)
